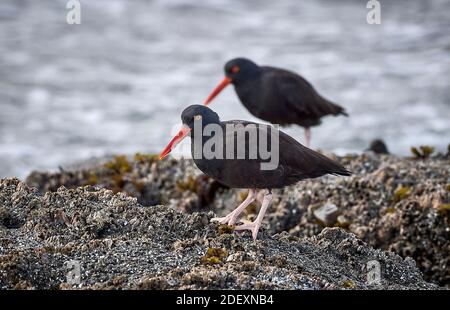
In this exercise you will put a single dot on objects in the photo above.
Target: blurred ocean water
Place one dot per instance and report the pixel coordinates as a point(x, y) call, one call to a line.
point(118, 82)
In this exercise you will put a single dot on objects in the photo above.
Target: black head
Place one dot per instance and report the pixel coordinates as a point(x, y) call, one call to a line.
point(201, 113)
point(238, 69)
point(191, 115)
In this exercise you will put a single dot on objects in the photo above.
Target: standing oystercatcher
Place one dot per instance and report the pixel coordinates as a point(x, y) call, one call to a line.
point(276, 95)
point(295, 162)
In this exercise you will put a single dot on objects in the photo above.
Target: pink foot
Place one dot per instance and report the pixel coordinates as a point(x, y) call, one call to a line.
point(252, 226)
point(229, 219)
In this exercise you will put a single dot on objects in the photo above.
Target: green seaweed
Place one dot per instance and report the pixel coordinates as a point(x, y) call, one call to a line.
point(92, 179)
point(251, 208)
point(348, 284)
point(390, 210)
point(187, 185)
point(143, 158)
point(423, 152)
point(444, 209)
point(401, 193)
point(118, 183)
point(214, 256)
point(119, 164)
point(226, 229)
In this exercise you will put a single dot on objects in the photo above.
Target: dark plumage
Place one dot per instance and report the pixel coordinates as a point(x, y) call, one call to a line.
point(378, 147)
point(277, 95)
point(296, 162)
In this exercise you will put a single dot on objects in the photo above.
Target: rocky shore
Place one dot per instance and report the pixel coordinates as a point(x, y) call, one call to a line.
point(136, 222)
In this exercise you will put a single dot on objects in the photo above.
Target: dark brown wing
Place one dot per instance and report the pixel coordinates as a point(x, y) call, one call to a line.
point(299, 95)
point(301, 162)
point(295, 162)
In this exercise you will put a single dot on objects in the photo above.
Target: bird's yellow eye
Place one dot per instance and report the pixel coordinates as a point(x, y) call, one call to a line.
point(197, 117)
point(235, 69)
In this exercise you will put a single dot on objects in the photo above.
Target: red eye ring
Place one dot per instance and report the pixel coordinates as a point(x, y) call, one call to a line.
point(235, 69)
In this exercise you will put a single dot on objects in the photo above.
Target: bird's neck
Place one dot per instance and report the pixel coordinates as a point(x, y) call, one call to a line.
point(246, 91)
point(202, 134)
point(250, 78)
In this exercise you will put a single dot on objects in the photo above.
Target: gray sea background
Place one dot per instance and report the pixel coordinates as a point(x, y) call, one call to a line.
point(118, 82)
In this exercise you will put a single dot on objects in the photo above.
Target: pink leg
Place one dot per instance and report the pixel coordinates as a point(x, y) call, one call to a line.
point(254, 226)
point(308, 136)
point(231, 218)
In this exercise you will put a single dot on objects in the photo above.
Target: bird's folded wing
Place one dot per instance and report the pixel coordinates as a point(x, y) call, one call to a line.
point(299, 95)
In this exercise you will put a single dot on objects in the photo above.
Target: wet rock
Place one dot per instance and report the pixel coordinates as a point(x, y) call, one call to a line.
point(119, 244)
point(326, 214)
point(392, 203)
point(378, 147)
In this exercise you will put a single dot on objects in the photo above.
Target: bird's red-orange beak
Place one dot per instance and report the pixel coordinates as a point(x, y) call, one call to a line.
point(218, 89)
point(184, 131)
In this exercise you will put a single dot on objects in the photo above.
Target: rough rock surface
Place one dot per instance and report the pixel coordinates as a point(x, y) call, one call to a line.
point(122, 244)
point(392, 203)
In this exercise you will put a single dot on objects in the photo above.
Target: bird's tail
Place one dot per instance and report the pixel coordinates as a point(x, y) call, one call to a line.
point(326, 165)
point(334, 167)
point(338, 110)
point(343, 112)
point(334, 109)
point(342, 171)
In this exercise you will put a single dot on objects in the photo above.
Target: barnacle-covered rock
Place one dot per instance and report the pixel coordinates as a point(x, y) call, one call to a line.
point(116, 243)
point(392, 203)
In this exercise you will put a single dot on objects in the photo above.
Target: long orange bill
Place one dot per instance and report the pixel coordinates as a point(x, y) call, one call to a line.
point(184, 131)
point(218, 89)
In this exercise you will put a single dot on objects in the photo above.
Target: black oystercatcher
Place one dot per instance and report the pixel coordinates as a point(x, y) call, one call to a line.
point(276, 95)
point(237, 166)
point(378, 147)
